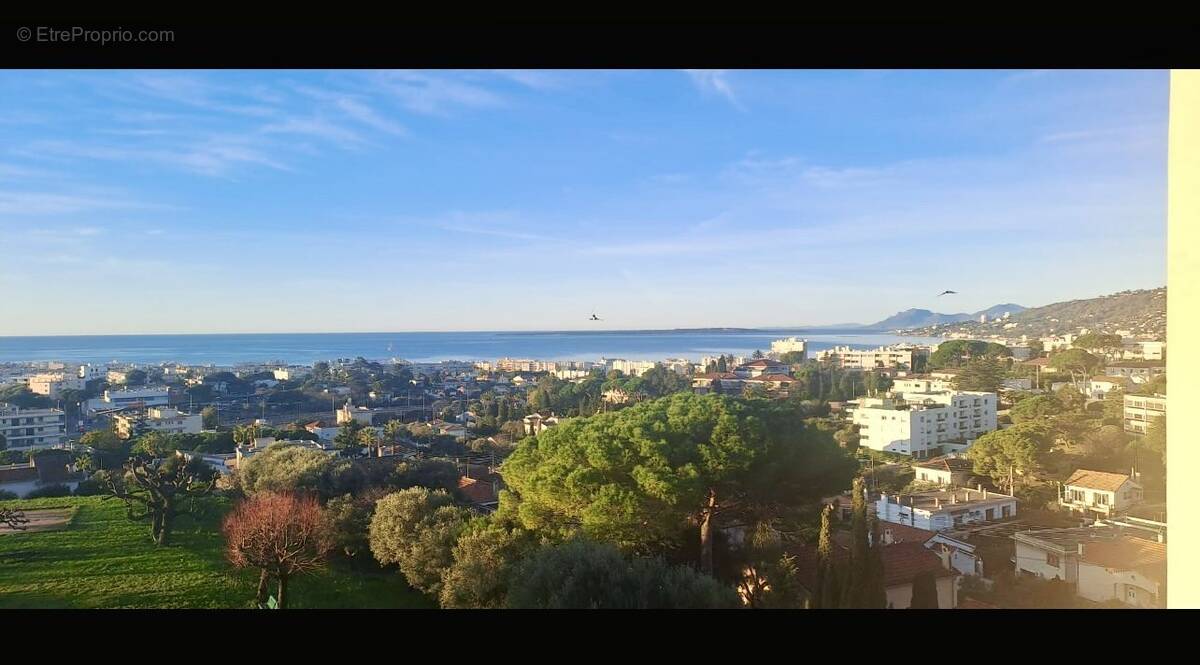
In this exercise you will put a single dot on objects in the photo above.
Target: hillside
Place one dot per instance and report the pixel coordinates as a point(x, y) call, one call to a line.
point(1142, 312)
point(913, 318)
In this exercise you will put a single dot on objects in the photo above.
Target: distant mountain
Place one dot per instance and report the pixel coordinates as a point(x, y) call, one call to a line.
point(1140, 312)
point(920, 318)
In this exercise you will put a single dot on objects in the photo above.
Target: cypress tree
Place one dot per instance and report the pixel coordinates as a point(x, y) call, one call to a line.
point(825, 596)
point(875, 594)
point(854, 592)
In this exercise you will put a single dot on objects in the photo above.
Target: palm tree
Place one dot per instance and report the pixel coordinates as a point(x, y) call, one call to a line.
point(368, 438)
point(393, 430)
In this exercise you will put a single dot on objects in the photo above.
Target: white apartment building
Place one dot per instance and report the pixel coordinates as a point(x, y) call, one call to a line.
point(158, 419)
point(32, 428)
point(1142, 410)
point(924, 425)
point(944, 509)
point(51, 384)
point(1140, 350)
point(898, 356)
point(789, 345)
point(132, 397)
point(903, 385)
point(90, 372)
point(628, 367)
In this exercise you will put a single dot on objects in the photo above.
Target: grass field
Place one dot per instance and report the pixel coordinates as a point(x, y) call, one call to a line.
point(103, 560)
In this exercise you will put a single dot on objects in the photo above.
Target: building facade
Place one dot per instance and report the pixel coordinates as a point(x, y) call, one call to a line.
point(157, 419)
point(924, 425)
point(32, 428)
point(1141, 411)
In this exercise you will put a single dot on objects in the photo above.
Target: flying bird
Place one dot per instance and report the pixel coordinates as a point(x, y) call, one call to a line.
point(595, 318)
point(945, 292)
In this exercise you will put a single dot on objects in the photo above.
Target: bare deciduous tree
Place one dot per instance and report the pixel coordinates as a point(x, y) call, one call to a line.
point(281, 534)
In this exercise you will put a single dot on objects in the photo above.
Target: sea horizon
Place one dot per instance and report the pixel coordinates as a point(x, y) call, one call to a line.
point(306, 348)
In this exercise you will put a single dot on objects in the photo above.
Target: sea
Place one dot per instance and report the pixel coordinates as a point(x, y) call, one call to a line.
point(425, 347)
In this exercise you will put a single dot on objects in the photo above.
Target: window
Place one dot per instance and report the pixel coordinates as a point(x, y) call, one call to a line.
point(1101, 499)
point(1130, 593)
point(1051, 559)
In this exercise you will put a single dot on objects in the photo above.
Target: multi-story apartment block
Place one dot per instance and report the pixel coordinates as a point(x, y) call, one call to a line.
point(790, 345)
point(32, 428)
point(899, 356)
point(1142, 410)
point(157, 419)
point(924, 425)
point(51, 384)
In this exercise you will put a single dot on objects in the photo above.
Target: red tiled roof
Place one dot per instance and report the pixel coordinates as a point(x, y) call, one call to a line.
point(903, 533)
point(1097, 480)
point(1127, 553)
point(947, 463)
point(477, 490)
point(901, 562)
point(781, 378)
point(904, 561)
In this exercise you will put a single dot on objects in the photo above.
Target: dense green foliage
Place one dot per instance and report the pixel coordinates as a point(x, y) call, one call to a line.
point(585, 575)
point(646, 478)
point(417, 529)
point(958, 352)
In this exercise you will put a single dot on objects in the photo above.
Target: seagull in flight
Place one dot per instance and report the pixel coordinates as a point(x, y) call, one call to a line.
point(595, 318)
point(945, 292)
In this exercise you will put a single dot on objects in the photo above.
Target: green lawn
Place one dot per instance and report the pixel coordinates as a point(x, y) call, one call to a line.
point(103, 560)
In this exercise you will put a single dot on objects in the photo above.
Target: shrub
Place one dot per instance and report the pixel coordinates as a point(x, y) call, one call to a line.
point(6, 495)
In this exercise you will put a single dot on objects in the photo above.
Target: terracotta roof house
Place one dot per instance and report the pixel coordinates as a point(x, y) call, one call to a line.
point(902, 562)
point(1129, 570)
point(483, 493)
point(1100, 493)
point(945, 470)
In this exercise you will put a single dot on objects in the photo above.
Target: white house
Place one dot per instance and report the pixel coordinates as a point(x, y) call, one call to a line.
point(1130, 570)
point(943, 509)
point(944, 470)
point(1102, 563)
point(1055, 553)
point(1097, 387)
point(1099, 493)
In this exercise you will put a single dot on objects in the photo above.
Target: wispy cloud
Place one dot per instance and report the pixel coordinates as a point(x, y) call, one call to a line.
point(715, 81)
point(433, 94)
point(44, 203)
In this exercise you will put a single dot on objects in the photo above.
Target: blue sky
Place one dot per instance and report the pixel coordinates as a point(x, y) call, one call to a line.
point(278, 201)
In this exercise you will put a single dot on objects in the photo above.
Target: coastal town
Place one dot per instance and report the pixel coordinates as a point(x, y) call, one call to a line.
point(1004, 472)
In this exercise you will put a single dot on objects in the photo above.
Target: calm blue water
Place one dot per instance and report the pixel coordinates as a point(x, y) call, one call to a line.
point(419, 347)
